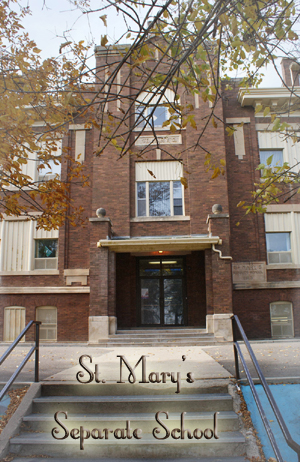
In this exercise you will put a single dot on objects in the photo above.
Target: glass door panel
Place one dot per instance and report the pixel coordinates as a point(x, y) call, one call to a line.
point(173, 302)
point(150, 301)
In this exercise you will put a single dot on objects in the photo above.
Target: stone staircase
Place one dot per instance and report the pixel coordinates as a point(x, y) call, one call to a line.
point(110, 405)
point(160, 337)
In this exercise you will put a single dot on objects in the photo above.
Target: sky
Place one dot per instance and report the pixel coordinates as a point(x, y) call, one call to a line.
point(51, 19)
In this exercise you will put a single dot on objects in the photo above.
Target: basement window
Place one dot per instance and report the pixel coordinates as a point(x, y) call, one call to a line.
point(282, 324)
point(48, 316)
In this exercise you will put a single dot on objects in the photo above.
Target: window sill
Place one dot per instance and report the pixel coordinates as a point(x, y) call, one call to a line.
point(279, 266)
point(151, 219)
point(30, 273)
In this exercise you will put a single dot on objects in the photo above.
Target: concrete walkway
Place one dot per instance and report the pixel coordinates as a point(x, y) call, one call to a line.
point(277, 359)
point(61, 362)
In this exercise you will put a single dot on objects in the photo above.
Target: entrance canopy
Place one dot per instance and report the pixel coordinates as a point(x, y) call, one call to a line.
point(152, 244)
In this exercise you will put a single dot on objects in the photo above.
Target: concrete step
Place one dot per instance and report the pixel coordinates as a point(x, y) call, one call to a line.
point(112, 389)
point(138, 403)
point(210, 459)
point(162, 329)
point(158, 332)
point(227, 421)
point(162, 343)
point(229, 443)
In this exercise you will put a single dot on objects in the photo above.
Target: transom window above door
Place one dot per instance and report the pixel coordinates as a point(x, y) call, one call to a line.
point(159, 192)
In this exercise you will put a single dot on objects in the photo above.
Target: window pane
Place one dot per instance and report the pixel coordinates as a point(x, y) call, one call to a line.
point(141, 190)
point(150, 267)
point(142, 208)
point(141, 199)
point(278, 242)
point(159, 199)
point(172, 267)
point(49, 170)
point(46, 248)
point(159, 116)
point(173, 302)
point(282, 320)
point(150, 302)
point(277, 160)
point(140, 113)
point(177, 197)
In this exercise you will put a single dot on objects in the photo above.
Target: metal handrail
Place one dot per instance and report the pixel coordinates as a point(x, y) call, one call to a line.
point(237, 352)
point(34, 348)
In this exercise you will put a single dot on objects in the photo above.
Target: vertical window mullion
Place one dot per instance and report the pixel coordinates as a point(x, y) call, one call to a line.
point(171, 199)
point(147, 199)
point(182, 199)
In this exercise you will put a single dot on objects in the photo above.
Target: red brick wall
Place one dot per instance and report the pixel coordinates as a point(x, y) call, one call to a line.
point(72, 313)
point(253, 309)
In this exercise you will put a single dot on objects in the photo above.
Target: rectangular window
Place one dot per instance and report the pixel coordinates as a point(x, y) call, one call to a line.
point(282, 319)
point(159, 198)
point(150, 116)
point(45, 254)
point(278, 248)
point(48, 317)
point(277, 157)
point(141, 199)
point(49, 170)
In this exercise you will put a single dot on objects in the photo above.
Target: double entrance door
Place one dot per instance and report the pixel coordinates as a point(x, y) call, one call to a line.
point(161, 291)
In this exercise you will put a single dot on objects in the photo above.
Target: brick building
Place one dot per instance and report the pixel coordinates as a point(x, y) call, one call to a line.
point(162, 256)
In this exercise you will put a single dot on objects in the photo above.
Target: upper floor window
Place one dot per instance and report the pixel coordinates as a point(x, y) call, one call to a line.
point(48, 171)
point(45, 254)
point(159, 192)
point(152, 111)
point(159, 198)
point(52, 168)
point(279, 247)
point(25, 248)
point(277, 157)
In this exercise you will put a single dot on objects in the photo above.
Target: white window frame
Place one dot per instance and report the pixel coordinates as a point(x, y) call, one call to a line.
point(48, 176)
point(149, 100)
point(52, 259)
point(282, 323)
point(271, 150)
point(147, 200)
point(280, 252)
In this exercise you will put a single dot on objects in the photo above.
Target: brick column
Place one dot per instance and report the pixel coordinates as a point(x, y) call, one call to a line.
point(102, 320)
point(219, 279)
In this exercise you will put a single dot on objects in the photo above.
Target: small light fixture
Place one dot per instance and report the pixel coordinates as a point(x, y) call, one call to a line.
point(160, 251)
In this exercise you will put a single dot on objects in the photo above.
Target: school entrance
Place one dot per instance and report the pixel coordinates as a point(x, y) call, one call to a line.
point(161, 291)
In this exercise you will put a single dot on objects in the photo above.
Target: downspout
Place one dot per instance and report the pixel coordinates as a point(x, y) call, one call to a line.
point(220, 253)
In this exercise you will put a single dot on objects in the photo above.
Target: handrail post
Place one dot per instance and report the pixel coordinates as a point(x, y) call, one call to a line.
point(236, 355)
point(37, 351)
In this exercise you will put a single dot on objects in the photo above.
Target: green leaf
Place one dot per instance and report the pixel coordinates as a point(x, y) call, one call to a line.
point(276, 125)
point(266, 111)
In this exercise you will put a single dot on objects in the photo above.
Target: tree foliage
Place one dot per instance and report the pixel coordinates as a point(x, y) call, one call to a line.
point(37, 100)
point(185, 46)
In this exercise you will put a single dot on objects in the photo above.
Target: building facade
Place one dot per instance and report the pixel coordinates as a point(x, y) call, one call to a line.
point(162, 255)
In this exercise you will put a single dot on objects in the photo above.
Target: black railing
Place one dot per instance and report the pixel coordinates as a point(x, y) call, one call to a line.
point(29, 354)
point(236, 326)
